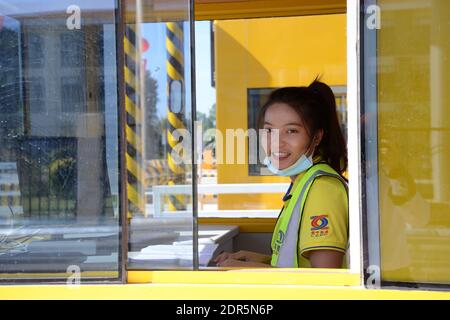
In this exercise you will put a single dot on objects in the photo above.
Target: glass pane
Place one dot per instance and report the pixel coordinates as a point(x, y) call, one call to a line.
point(59, 210)
point(239, 63)
point(408, 137)
point(158, 132)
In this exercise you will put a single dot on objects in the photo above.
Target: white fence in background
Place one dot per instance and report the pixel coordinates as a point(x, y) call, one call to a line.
point(158, 193)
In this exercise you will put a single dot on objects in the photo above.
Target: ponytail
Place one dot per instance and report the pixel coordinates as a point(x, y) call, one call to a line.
point(316, 106)
point(332, 148)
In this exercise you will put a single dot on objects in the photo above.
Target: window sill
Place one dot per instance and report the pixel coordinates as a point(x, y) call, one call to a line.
point(309, 277)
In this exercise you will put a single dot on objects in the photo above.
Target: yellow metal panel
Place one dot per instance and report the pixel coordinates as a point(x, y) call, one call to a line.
point(159, 10)
point(209, 292)
point(316, 277)
point(239, 9)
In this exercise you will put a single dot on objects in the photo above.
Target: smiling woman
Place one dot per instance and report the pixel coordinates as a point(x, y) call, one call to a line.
point(303, 141)
point(292, 145)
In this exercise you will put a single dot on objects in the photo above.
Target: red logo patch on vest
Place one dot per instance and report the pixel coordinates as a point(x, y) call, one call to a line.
point(319, 226)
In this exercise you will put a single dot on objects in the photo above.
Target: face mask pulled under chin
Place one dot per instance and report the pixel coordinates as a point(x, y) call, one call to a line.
point(301, 165)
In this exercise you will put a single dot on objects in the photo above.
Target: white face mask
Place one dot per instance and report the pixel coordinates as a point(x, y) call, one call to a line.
point(302, 164)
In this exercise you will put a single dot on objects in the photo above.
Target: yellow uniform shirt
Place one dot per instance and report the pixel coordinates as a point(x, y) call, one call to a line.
point(324, 224)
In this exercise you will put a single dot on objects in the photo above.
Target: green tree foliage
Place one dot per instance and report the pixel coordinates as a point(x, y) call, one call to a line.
point(63, 171)
point(208, 122)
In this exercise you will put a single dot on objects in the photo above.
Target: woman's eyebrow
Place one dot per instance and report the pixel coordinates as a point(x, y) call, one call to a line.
point(287, 124)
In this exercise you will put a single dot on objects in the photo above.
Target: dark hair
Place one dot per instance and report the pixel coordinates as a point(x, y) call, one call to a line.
point(316, 106)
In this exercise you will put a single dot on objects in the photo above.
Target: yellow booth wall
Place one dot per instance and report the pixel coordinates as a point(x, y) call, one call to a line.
point(269, 53)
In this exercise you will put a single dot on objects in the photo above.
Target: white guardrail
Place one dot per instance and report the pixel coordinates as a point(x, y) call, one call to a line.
point(249, 188)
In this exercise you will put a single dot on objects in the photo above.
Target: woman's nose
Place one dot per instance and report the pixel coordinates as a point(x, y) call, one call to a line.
point(278, 141)
point(282, 136)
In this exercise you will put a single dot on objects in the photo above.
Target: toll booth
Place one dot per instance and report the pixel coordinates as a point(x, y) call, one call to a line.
point(107, 175)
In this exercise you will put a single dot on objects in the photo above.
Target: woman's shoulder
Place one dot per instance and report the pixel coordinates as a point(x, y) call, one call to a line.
point(328, 192)
point(331, 178)
point(330, 185)
point(327, 183)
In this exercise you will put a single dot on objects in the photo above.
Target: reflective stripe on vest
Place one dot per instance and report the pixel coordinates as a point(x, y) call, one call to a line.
point(285, 236)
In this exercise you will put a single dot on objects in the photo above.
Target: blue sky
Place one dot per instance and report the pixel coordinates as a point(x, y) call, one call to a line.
point(155, 34)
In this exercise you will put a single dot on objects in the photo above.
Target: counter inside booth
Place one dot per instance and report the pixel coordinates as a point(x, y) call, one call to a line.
point(172, 248)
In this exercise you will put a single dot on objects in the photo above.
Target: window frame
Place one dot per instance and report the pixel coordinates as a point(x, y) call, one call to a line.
point(370, 217)
point(371, 235)
point(123, 202)
point(314, 277)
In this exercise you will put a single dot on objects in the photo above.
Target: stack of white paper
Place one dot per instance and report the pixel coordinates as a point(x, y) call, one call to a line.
point(177, 253)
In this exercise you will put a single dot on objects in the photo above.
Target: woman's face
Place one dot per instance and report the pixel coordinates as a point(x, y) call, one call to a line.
point(293, 141)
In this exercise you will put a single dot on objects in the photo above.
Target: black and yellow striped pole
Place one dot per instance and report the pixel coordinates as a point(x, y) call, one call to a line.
point(176, 121)
point(133, 130)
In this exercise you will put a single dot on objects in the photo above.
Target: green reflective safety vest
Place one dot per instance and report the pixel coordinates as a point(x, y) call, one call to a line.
point(285, 237)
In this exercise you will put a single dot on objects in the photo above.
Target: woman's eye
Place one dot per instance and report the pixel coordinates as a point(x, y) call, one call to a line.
point(292, 131)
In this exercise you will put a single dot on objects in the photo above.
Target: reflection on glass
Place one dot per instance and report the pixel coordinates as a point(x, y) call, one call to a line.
point(176, 96)
point(412, 71)
point(159, 160)
point(58, 142)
